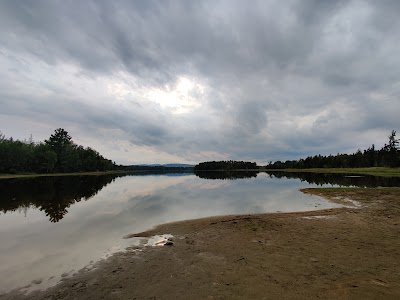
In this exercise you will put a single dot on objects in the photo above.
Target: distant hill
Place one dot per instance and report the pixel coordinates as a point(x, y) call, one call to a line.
point(178, 165)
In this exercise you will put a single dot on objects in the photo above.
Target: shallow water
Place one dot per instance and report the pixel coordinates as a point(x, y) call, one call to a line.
point(52, 227)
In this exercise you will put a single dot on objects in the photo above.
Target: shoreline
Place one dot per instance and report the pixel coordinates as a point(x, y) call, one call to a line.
point(333, 253)
point(374, 171)
point(98, 173)
point(12, 176)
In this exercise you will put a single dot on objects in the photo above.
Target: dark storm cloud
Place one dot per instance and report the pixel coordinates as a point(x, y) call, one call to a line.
point(281, 77)
point(103, 35)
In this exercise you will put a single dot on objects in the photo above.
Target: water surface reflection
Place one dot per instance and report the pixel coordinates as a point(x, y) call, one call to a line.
point(33, 248)
point(52, 195)
point(340, 179)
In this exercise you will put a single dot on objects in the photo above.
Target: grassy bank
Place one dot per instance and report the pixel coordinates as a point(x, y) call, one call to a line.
point(386, 172)
point(31, 175)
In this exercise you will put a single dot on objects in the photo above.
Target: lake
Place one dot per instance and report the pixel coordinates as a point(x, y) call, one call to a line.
point(50, 227)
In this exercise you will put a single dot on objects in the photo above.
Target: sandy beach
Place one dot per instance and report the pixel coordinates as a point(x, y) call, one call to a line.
point(346, 253)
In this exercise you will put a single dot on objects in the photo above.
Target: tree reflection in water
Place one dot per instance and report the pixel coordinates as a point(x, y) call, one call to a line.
point(340, 179)
point(346, 180)
point(53, 195)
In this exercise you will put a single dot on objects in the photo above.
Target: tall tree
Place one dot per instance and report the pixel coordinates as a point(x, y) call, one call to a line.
point(60, 142)
point(393, 142)
point(391, 151)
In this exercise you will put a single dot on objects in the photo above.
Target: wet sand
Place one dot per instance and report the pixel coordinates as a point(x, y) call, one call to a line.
point(345, 253)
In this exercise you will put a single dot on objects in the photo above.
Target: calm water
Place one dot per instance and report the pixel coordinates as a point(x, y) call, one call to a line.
point(51, 227)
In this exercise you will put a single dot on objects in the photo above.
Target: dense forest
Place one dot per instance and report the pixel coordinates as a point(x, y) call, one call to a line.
point(225, 165)
point(154, 169)
point(57, 154)
point(387, 156)
point(226, 175)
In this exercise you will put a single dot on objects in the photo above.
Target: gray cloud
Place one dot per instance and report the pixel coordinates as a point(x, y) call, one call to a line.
point(279, 80)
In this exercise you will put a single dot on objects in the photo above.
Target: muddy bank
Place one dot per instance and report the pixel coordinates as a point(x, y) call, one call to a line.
point(351, 253)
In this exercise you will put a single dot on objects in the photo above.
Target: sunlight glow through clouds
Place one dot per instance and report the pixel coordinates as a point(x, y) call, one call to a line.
point(182, 97)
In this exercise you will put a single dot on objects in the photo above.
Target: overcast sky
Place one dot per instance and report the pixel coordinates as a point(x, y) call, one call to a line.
point(190, 81)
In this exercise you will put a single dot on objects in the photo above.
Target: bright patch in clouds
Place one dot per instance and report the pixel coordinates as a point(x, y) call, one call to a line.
point(182, 96)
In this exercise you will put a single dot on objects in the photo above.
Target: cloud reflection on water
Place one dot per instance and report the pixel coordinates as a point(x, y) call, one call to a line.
point(34, 248)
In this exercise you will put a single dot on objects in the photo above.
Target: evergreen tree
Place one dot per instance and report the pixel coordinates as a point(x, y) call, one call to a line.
point(391, 151)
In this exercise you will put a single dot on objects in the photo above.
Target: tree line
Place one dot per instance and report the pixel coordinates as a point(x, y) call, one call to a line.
point(227, 175)
point(387, 156)
point(58, 154)
point(225, 165)
point(154, 169)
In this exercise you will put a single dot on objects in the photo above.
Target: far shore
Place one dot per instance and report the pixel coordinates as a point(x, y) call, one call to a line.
point(375, 171)
point(350, 252)
point(97, 173)
point(29, 175)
